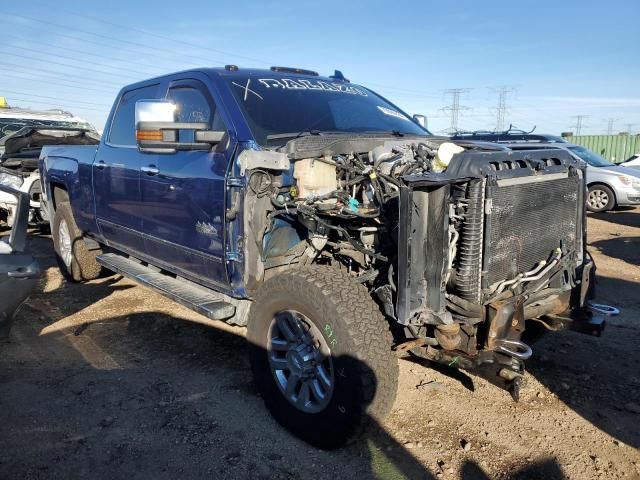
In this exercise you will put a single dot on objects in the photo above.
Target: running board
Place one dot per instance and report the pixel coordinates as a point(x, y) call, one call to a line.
point(210, 304)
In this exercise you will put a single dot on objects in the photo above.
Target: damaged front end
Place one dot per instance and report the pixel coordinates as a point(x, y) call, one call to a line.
point(464, 246)
point(511, 228)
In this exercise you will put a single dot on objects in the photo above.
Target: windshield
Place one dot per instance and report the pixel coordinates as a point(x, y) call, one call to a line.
point(591, 158)
point(11, 125)
point(277, 108)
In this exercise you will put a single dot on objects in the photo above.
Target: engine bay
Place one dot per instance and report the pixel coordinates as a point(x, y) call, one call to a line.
point(444, 235)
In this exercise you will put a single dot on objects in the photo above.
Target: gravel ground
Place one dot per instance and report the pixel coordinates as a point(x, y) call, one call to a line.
point(109, 380)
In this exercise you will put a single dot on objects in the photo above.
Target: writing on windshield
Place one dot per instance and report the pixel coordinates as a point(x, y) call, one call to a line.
point(276, 106)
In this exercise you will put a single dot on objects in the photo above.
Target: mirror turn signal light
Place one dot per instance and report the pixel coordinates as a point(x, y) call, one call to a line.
point(149, 135)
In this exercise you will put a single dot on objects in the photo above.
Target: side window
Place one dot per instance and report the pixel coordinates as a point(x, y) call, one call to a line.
point(193, 107)
point(123, 129)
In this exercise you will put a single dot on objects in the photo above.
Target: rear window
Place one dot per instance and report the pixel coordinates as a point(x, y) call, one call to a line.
point(123, 131)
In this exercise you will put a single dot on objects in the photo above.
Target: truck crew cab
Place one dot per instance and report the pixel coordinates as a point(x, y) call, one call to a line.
point(331, 224)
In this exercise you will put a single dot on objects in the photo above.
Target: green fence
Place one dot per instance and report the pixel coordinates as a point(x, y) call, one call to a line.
point(615, 148)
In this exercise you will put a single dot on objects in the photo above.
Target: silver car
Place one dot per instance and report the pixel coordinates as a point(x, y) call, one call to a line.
point(610, 185)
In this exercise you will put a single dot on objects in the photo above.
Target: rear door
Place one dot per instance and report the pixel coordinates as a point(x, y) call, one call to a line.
point(116, 175)
point(183, 194)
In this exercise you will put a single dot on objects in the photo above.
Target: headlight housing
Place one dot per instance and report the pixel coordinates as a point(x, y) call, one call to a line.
point(624, 179)
point(629, 181)
point(10, 179)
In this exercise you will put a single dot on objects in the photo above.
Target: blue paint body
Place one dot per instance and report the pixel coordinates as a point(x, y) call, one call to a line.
point(175, 219)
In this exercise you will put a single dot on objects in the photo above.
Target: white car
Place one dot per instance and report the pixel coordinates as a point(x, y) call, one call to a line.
point(29, 185)
point(632, 161)
point(23, 134)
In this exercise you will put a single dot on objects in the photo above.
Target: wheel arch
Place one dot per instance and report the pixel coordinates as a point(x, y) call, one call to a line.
point(59, 194)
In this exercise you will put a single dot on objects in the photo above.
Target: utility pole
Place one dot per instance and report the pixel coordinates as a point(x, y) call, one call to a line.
point(610, 122)
point(501, 109)
point(455, 107)
point(579, 125)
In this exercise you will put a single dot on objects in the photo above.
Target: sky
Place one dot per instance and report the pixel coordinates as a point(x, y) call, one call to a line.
point(556, 59)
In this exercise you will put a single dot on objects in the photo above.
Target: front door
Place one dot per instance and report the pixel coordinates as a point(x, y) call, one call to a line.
point(116, 175)
point(183, 195)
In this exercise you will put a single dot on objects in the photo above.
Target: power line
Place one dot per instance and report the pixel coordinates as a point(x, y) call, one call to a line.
point(79, 107)
point(30, 78)
point(155, 50)
point(47, 73)
point(501, 109)
point(579, 125)
point(127, 60)
point(455, 107)
point(629, 127)
point(54, 98)
point(93, 55)
point(76, 59)
point(112, 39)
point(610, 123)
point(68, 65)
point(164, 37)
point(107, 46)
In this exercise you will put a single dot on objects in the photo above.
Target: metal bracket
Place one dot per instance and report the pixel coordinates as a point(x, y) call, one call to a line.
point(232, 256)
point(235, 181)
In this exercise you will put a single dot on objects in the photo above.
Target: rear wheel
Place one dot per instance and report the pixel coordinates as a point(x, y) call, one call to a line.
point(321, 356)
point(601, 198)
point(76, 261)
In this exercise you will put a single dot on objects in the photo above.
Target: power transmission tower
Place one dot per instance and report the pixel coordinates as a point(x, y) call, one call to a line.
point(579, 125)
point(501, 109)
point(629, 125)
point(610, 122)
point(455, 107)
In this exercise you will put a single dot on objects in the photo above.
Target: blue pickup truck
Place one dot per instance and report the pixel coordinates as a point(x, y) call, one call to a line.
point(334, 226)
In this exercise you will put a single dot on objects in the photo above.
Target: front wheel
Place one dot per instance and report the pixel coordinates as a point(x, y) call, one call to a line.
point(601, 198)
point(321, 356)
point(76, 261)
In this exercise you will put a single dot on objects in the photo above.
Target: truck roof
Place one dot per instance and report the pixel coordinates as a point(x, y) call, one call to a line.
point(234, 71)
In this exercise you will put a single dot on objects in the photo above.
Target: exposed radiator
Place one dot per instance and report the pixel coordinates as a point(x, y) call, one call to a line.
point(525, 220)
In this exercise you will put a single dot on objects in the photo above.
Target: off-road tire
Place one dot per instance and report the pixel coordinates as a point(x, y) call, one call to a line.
point(366, 369)
point(611, 203)
point(83, 262)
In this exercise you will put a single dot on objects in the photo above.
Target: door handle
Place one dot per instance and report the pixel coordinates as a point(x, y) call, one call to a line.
point(150, 170)
point(101, 164)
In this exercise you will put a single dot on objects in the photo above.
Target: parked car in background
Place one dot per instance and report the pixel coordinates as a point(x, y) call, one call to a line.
point(22, 135)
point(609, 185)
point(19, 271)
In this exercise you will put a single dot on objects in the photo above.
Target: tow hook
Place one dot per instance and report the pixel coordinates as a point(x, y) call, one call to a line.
point(607, 310)
point(514, 348)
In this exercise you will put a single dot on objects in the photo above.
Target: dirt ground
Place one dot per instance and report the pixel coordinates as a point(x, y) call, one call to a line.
point(109, 380)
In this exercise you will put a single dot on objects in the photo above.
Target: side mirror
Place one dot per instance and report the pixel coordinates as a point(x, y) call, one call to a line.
point(158, 132)
point(420, 120)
